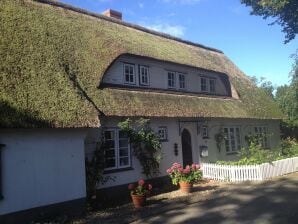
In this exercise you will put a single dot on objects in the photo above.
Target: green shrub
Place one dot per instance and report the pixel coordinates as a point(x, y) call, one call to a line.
point(255, 154)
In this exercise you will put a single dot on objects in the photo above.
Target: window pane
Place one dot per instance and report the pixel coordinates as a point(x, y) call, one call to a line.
point(171, 79)
point(238, 138)
point(129, 73)
point(123, 161)
point(123, 143)
point(181, 81)
point(212, 85)
point(203, 84)
point(123, 134)
point(123, 152)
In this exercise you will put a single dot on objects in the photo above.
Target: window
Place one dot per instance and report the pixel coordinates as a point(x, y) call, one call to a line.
point(261, 134)
point(129, 74)
point(212, 85)
point(208, 85)
point(181, 81)
point(171, 80)
point(203, 84)
point(117, 149)
point(232, 139)
point(144, 75)
point(163, 133)
point(205, 132)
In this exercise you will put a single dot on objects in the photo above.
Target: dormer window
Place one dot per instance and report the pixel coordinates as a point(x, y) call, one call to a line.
point(208, 85)
point(203, 84)
point(182, 81)
point(144, 75)
point(171, 80)
point(212, 85)
point(129, 74)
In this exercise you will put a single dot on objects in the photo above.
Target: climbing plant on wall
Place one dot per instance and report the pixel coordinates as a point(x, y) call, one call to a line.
point(145, 144)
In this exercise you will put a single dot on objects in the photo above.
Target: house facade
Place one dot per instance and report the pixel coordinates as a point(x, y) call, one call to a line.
point(184, 139)
point(69, 76)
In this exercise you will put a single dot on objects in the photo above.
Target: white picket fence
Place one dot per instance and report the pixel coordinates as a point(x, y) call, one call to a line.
point(250, 172)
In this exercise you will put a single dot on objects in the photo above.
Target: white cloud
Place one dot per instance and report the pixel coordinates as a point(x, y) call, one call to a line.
point(183, 2)
point(175, 30)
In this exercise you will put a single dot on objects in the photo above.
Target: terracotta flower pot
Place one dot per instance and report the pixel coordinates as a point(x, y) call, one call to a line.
point(138, 200)
point(185, 187)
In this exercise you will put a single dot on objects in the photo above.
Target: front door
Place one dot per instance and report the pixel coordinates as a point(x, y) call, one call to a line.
point(186, 148)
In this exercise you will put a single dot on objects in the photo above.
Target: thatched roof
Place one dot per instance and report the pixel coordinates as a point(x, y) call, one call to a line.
point(53, 58)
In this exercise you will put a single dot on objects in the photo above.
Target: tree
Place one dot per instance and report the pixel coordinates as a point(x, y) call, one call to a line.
point(285, 13)
point(287, 99)
point(262, 83)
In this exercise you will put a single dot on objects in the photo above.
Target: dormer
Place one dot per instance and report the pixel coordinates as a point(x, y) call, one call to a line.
point(135, 72)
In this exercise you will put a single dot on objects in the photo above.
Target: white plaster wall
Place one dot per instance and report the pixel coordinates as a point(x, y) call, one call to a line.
point(158, 74)
point(172, 124)
point(41, 167)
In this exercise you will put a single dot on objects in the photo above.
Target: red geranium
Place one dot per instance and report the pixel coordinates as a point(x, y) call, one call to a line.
point(140, 189)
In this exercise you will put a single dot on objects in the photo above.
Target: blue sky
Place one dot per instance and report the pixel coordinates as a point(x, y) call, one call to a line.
point(256, 48)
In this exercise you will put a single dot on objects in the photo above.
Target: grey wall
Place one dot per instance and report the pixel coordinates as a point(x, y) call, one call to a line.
point(41, 167)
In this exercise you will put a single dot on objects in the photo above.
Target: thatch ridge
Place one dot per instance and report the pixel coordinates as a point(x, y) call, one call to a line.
point(53, 59)
point(121, 22)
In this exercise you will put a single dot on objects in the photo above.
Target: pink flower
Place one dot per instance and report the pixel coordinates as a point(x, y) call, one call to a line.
point(141, 182)
point(131, 186)
point(149, 187)
point(169, 171)
point(186, 171)
point(198, 166)
point(180, 170)
point(194, 167)
point(187, 167)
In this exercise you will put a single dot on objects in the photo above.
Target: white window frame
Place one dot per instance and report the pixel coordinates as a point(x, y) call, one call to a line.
point(261, 132)
point(229, 139)
point(134, 74)
point(206, 84)
point(180, 82)
point(141, 75)
point(213, 80)
point(164, 131)
point(117, 150)
point(173, 80)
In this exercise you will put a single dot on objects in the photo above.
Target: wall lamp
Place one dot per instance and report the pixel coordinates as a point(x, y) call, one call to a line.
point(176, 149)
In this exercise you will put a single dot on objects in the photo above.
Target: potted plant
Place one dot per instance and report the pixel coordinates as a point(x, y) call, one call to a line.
point(139, 193)
point(185, 177)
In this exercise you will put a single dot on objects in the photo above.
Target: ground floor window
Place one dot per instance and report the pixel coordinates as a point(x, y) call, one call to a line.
point(261, 134)
point(232, 139)
point(117, 149)
point(163, 133)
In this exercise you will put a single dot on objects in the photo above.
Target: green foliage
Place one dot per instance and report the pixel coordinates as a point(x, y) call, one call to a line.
point(284, 11)
point(141, 188)
point(255, 154)
point(189, 174)
point(264, 84)
point(94, 170)
point(145, 143)
point(219, 137)
point(287, 99)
